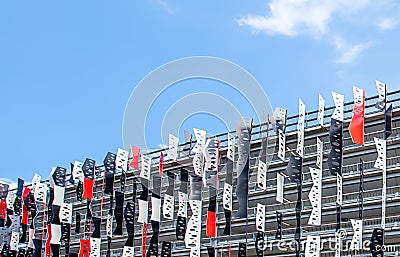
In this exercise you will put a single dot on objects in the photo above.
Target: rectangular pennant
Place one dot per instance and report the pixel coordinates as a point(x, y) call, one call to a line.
point(321, 109)
point(173, 147)
point(300, 128)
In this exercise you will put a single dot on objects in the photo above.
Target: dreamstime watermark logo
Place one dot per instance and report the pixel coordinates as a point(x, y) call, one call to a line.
point(331, 244)
point(292, 244)
point(135, 129)
point(341, 234)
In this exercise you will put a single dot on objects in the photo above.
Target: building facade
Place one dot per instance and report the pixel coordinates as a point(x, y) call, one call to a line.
point(274, 210)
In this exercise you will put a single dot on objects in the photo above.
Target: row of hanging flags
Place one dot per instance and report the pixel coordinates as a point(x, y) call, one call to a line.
point(35, 220)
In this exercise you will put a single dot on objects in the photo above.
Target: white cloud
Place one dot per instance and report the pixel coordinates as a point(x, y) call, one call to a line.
point(163, 4)
point(349, 54)
point(387, 24)
point(313, 18)
point(294, 17)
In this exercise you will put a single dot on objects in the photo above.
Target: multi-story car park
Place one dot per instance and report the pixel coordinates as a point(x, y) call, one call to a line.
point(244, 230)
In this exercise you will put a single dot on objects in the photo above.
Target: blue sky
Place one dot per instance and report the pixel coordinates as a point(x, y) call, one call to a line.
point(67, 68)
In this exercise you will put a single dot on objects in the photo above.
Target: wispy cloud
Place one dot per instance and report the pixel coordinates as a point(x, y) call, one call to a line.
point(349, 54)
point(314, 19)
point(164, 4)
point(294, 17)
point(387, 24)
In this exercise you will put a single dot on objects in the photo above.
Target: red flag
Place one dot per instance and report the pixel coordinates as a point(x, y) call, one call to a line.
point(25, 214)
point(144, 239)
point(135, 157)
point(84, 250)
point(211, 225)
point(3, 209)
point(47, 249)
point(161, 163)
point(87, 189)
point(356, 127)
